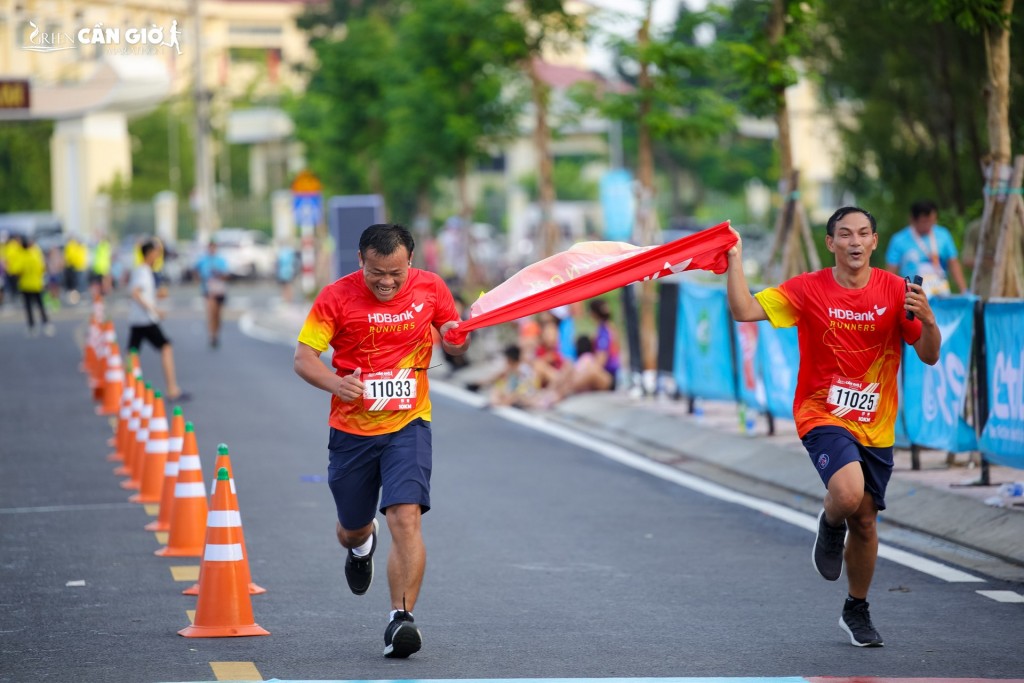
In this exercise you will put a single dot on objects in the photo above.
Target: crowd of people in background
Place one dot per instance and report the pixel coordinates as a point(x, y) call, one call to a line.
point(46, 280)
point(540, 368)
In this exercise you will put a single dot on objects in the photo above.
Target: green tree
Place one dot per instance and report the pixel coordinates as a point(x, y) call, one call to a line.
point(664, 105)
point(25, 166)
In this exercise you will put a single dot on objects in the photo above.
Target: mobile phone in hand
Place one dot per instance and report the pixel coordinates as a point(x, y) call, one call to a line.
point(917, 281)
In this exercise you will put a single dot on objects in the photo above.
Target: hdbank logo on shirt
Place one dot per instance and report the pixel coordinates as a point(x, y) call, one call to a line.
point(391, 318)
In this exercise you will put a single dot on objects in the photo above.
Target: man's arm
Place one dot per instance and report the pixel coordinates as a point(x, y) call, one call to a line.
point(308, 366)
point(742, 304)
point(927, 345)
point(957, 271)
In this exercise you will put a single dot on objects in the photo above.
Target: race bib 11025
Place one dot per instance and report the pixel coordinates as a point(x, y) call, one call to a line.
point(853, 400)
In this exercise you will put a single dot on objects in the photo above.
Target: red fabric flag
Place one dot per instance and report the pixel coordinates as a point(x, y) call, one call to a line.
point(589, 269)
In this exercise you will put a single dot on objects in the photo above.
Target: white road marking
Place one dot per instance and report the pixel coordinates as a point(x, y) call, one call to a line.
point(1002, 596)
point(668, 473)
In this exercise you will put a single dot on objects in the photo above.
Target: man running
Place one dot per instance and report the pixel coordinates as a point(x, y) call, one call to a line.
point(380, 322)
point(851, 320)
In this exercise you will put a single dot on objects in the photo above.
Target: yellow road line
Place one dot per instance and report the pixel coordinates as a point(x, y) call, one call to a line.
point(151, 509)
point(191, 614)
point(185, 573)
point(161, 537)
point(235, 671)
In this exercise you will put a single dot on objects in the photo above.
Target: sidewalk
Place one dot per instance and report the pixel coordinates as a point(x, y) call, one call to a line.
point(933, 500)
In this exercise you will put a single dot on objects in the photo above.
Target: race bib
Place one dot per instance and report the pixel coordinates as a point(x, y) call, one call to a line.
point(934, 281)
point(389, 389)
point(217, 286)
point(853, 400)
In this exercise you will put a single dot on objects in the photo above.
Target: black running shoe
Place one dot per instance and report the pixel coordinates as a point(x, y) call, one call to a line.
point(359, 570)
point(828, 548)
point(401, 638)
point(856, 621)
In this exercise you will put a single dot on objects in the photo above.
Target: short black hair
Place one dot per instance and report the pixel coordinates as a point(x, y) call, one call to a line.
point(147, 246)
point(830, 227)
point(599, 307)
point(385, 239)
point(923, 207)
point(513, 353)
point(583, 345)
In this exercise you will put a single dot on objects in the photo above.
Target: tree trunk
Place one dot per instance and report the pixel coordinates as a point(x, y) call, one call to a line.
point(997, 90)
point(473, 278)
point(646, 221)
point(787, 241)
point(548, 228)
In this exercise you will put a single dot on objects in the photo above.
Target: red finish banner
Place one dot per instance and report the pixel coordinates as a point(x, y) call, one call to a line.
point(589, 269)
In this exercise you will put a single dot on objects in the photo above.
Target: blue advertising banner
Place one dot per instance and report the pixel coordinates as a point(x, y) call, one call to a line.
point(1002, 440)
point(780, 359)
point(934, 395)
point(751, 379)
point(618, 205)
point(702, 340)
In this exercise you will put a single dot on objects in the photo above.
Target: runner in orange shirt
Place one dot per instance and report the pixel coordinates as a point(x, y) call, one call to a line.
point(380, 321)
point(851, 320)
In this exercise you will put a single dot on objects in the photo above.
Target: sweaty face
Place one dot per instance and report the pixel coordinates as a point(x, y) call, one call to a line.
point(853, 241)
point(385, 275)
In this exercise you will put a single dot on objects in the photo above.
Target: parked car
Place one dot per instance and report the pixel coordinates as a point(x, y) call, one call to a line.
point(248, 253)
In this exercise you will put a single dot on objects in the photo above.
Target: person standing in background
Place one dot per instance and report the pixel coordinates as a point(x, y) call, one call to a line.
point(30, 269)
point(285, 270)
point(76, 258)
point(102, 256)
point(926, 249)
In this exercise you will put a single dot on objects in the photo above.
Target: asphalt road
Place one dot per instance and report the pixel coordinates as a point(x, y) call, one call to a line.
point(545, 559)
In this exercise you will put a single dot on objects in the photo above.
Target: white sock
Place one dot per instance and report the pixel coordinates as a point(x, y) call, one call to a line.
point(364, 549)
point(391, 615)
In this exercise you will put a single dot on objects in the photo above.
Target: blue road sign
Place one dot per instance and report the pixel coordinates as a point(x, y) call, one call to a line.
point(308, 208)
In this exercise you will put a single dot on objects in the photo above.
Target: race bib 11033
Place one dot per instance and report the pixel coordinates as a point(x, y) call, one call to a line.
point(389, 389)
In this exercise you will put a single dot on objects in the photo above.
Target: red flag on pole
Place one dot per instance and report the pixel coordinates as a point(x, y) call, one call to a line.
point(589, 269)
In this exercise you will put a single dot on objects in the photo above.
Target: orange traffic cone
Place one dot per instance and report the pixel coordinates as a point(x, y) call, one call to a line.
point(88, 365)
point(134, 422)
point(99, 369)
point(188, 512)
point(174, 444)
point(141, 439)
point(151, 477)
point(224, 608)
point(224, 461)
point(123, 417)
point(113, 382)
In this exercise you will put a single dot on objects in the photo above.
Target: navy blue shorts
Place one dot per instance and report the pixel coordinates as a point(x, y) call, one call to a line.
point(394, 468)
point(832, 448)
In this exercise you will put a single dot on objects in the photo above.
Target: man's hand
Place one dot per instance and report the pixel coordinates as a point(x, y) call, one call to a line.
point(735, 253)
point(350, 388)
point(916, 302)
point(452, 349)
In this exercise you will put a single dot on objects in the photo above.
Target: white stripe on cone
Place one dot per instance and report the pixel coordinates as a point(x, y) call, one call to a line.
point(189, 490)
point(223, 553)
point(223, 518)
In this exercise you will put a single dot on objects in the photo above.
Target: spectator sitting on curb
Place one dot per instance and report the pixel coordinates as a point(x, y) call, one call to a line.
point(516, 384)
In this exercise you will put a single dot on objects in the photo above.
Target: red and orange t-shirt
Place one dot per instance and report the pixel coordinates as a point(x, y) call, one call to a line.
point(850, 350)
point(377, 336)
